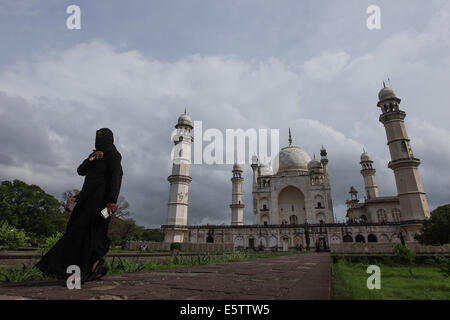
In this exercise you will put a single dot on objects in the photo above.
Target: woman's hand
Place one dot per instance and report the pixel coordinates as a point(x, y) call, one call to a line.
point(112, 207)
point(96, 155)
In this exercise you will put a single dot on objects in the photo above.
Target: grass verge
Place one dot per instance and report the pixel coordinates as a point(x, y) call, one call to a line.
point(426, 283)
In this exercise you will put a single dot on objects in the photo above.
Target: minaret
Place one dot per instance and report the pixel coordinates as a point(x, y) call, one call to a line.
point(237, 205)
point(176, 229)
point(368, 173)
point(413, 202)
point(352, 202)
point(324, 160)
point(353, 197)
point(255, 171)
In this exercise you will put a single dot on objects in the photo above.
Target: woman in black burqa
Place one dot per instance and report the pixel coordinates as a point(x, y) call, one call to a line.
point(85, 242)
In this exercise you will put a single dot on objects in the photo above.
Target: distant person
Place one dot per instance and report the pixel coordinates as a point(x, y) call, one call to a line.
point(85, 242)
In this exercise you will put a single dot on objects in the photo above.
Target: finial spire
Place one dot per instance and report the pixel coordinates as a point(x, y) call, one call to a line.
point(184, 109)
point(384, 84)
point(290, 137)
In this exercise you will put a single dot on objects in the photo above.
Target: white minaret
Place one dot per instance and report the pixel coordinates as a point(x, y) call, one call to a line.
point(413, 201)
point(176, 223)
point(237, 205)
point(368, 173)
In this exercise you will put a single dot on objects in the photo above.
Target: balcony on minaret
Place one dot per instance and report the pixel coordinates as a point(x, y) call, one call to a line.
point(388, 101)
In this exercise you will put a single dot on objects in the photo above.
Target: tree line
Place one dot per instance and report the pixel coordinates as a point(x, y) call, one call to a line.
point(40, 215)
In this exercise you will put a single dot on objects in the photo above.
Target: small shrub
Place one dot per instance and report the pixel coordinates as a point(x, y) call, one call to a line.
point(124, 265)
point(49, 242)
point(404, 255)
point(443, 264)
point(175, 246)
point(12, 238)
point(22, 273)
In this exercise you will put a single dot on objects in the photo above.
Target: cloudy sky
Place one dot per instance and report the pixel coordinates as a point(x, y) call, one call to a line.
point(133, 66)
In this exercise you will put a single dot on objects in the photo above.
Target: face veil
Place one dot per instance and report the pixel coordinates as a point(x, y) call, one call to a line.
point(104, 139)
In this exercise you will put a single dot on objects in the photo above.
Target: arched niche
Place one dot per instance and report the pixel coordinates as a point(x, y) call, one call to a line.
point(291, 202)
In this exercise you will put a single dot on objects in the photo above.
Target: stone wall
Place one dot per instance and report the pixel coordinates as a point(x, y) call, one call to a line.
point(385, 248)
point(185, 247)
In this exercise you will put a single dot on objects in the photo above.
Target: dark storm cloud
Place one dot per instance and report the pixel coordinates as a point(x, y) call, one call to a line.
point(6, 159)
point(23, 137)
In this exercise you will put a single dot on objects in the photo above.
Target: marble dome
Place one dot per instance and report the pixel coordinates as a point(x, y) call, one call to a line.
point(314, 164)
point(184, 120)
point(236, 166)
point(265, 170)
point(365, 157)
point(292, 158)
point(386, 93)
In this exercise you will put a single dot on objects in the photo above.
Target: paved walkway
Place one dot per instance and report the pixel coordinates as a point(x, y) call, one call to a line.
point(305, 276)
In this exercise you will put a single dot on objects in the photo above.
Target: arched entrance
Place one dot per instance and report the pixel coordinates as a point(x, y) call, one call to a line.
point(285, 243)
point(210, 239)
point(264, 219)
point(291, 205)
point(239, 242)
point(372, 238)
point(298, 240)
point(273, 242)
point(360, 238)
point(347, 238)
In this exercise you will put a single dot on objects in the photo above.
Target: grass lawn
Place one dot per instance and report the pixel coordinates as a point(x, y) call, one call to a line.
point(427, 282)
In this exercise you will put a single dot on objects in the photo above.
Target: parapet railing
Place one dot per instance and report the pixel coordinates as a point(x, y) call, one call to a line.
point(315, 225)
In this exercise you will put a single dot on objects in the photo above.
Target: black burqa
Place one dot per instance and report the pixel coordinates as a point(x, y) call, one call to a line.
point(85, 240)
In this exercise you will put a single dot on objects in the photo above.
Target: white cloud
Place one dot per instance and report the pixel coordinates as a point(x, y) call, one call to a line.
point(326, 66)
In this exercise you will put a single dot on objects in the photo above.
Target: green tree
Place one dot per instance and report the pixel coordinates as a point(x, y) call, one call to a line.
point(153, 235)
point(28, 207)
point(122, 230)
point(7, 214)
point(436, 230)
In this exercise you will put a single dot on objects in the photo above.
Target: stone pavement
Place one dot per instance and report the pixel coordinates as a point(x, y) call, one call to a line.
point(303, 276)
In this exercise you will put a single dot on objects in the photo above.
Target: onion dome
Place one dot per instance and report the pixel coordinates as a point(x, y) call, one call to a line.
point(365, 157)
point(265, 170)
point(184, 120)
